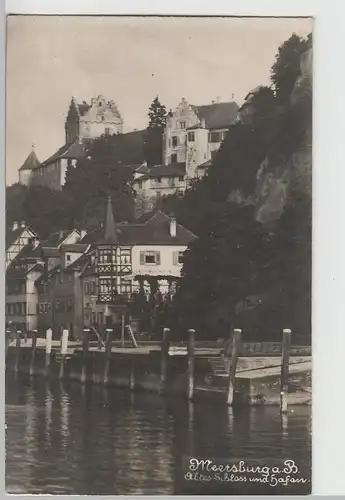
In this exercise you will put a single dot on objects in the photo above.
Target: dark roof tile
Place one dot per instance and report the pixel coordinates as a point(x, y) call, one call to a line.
point(155, 231)
point(217, 115)
point(31, 162)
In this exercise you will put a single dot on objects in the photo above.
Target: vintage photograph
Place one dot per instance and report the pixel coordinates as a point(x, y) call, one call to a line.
point(158, 255)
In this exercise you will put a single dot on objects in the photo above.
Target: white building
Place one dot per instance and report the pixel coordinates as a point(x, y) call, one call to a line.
point(84, 122)
point(194, 133)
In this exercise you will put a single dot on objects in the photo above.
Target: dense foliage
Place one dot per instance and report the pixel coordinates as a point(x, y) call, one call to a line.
point(240, 272)
point(154, 133)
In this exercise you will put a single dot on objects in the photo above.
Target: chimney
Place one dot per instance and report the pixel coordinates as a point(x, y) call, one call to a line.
point(83, 233)
point(22, 224)
point(173, 227)
point(218, 100)
point(15, 225)
point(203, 123)
point(35, 242)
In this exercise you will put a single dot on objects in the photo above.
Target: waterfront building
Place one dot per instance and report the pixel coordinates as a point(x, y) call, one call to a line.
point(108, 269)
point(28, 260)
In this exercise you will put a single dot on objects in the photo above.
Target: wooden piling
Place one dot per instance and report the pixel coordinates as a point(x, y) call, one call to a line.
point(107, 354)
point(164, 360)
point(235, 350)
point(33, 352)
point(7, 341)
point(16, 363)
point(85, 355)
point(122, 330)
point(49, 342)
point(64, 348)
point(132, 376)
point(284, 382)
point(191, 363)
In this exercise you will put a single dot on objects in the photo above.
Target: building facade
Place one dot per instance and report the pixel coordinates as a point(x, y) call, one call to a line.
point(84, 122)
point(91, 120)
point(193, 133)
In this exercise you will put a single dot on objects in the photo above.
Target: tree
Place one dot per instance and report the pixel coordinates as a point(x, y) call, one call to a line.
point(104, 172)
point(286, 67)
point(154, 133)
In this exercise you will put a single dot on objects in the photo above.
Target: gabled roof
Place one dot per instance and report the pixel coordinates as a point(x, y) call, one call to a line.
point(72, 150)
point(75, 247)
point(31, 162)
point(54, 240)
point(12, 236)
point(15, 273)
point(217, 115)
point(154, 231)
point(172, 170)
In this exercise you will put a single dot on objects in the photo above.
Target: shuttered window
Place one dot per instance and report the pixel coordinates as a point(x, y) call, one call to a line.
point(150, 258)
point(178, 258)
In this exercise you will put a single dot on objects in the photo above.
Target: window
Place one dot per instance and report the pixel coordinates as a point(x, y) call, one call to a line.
point(224, 134)
point(214, 137)
point(174, 141)
point(105, 285)
point(100, 320)
point(150, 258)
point(182, 124)
point(99, 104)
point(191, 136)
point(159, 179)
point(93, 318)
point(87, 288)
point(181, 179)
point(174, 158)
point(68, 258)
point(126, 284)
point(178, 258)
point(180, 193)
point(92, 288)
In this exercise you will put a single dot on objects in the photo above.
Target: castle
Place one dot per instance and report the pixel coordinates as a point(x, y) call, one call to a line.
point(191, 137)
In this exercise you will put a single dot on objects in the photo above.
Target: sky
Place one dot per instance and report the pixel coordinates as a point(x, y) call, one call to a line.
point(128, 60)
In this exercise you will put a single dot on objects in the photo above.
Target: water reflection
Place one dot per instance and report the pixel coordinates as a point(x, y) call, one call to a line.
point(69, 439)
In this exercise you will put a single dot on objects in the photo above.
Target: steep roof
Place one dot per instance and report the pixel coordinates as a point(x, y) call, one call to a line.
point(31, 162)
point(83, 108)
point(11, 235)
point(72, 150)
point(217, 115)
point(55, 239)
point(154, 231)
point(110, 233)
point(172, 170)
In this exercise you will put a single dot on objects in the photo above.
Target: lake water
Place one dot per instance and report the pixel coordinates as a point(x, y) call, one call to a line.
point(70, 439)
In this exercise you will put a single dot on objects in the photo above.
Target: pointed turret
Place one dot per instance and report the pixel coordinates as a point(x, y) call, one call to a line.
point(110, 226)
point(31, 162)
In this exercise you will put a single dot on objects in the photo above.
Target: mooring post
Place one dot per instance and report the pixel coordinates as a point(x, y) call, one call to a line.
point(7, 341)
point(122, 330)
point(132, 375)
point(107, 354)
point(85, 355)
point(49, 342)
point(235, 351)
point(64, 348)
point(164, 360)
point(16, 363)
point(284, 382)
point(191, 363)
point(33, 352)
